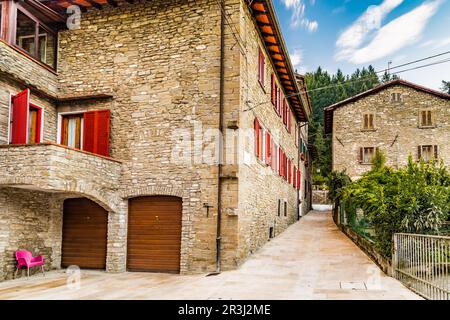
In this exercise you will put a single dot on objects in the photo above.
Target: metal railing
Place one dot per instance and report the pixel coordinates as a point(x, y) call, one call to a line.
point(422, 263)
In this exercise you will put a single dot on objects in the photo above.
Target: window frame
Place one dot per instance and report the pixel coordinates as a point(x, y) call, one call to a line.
point(368, 115)
point(396, 97)
point(430, 113)
point(363, 150)
point(11, 34)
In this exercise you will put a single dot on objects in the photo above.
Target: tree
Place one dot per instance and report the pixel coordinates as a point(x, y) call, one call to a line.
point(327, 89)
point(446, 86)
point(387, 77)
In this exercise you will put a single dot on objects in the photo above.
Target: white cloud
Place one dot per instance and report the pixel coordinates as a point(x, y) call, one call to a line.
point(388, 39)
point(371, 20)
point(298, 15)
point(297, 60)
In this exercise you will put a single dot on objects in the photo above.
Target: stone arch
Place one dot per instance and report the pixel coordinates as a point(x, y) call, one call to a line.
point(153, 191)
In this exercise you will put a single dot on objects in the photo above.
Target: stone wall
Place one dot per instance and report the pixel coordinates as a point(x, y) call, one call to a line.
point(8, 88)
point(396, 133)
point(30, 220)
point(320, 197)
point(27, 71)
point(367, 246)
point(161, 62)
point(260, 188)
point(59, 169)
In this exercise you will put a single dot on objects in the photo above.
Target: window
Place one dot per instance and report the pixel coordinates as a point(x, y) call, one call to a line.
point(368, 121)
point(29, 34)
point(72, 131)
point(367, 154)
point(261, 68)
point(88, 131)
point(257, 138)
point(428, 153)
point(279, 207)
point(426, 118)
point(285, 208)
point(297, 131)
point(26, 120)
point(396, 97)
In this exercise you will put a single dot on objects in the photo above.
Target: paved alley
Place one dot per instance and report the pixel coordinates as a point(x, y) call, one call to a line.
point(311, 260)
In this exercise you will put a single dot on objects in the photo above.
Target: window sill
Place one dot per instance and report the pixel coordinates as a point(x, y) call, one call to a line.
point(365, 163)
point(427, 127)
point(368, 130)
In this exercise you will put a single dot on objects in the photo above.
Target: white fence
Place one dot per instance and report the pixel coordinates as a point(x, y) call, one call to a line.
point(422, 263)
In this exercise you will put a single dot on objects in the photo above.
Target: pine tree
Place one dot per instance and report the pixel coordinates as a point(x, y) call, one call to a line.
point(336, 88)
point(446, 86)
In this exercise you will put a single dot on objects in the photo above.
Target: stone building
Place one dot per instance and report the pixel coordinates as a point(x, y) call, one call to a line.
point(162, 136)
point(399, 118)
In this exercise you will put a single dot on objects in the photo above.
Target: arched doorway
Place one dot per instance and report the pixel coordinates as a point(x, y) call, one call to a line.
point(85, 234)
point(154, 234)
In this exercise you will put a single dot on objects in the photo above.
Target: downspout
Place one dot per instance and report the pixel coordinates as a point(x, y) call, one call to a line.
point(220, 164)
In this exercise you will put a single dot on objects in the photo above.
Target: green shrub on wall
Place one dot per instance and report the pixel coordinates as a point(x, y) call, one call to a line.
point(413, 199)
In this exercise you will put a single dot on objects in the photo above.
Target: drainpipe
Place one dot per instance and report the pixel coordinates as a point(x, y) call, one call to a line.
point(220, 164)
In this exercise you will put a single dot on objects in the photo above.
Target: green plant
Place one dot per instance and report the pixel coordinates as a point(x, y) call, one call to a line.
point(412, 199)
point(337, 180)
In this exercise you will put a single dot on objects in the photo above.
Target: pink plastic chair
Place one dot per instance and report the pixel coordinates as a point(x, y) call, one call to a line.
point(25, 258)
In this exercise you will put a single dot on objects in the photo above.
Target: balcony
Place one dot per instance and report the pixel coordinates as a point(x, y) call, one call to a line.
point(49, 167)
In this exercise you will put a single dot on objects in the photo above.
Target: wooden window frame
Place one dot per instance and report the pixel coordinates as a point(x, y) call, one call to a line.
point(396, 97)
point(430, 115)
point(40, 123)
point(434, 152)
point(368, 116)
point(60, 131)
point(362, 154)
point(8, 32)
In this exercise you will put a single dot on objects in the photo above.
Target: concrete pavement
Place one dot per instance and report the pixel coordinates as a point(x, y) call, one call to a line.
point(311, 260)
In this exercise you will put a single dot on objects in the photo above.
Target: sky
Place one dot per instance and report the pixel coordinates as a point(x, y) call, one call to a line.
point(350, 34)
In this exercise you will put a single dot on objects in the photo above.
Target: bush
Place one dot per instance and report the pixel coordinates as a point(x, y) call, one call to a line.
point(414, 199)
point(336, 182)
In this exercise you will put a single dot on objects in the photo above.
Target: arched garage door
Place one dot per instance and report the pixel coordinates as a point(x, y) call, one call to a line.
point(154, 234)
point(85, 233)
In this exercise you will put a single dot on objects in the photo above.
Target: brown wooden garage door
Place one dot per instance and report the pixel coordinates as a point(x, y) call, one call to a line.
point(85, 227)
point(154, 234)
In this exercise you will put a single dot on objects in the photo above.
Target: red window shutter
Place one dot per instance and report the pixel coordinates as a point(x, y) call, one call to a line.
point(268, 149)
point(273, 91)
point(289, 171)
point(289, 120)
point(280, 162)
point(256, 127)
point(97, 132)
point(20, 111)
point(261, 67)
point(299, 181)
point(285, 167)
point(294, 177)
point(274, 156)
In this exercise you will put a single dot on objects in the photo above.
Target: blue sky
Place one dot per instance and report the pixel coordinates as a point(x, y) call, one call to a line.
point(348, 34)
